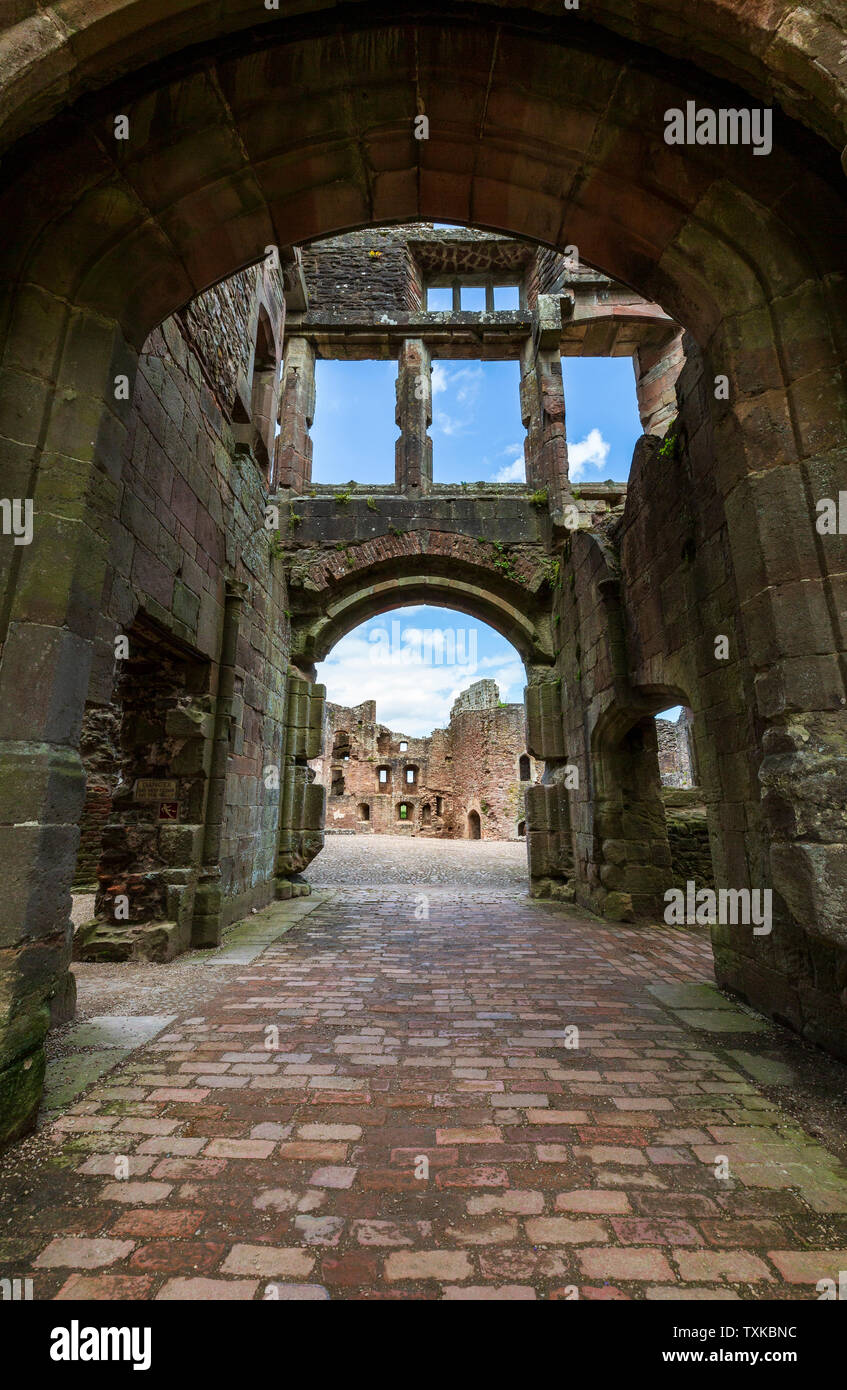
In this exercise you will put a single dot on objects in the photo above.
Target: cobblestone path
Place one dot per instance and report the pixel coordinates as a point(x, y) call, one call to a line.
point(423, 1126)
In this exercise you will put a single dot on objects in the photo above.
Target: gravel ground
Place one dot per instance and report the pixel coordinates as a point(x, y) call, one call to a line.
point(383, 860)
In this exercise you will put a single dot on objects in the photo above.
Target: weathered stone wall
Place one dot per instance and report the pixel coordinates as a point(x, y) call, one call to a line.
point(98, 748)
point(645, 597)
point(364, 271)
point(652, 602)
point(688, 837)
point(488, 740)
point(674, 740)
point(189, 554)
point(215, 327)
point(357, 748)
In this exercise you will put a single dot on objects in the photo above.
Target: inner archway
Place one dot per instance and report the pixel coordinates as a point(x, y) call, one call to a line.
point(433, 700)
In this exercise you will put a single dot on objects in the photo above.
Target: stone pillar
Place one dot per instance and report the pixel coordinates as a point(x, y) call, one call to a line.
point(548, 820)
point(413, 450)
point(302, 800)
point(297, 411)
point(61, 448)
point(543, 404)
point(545, 735)
point(657, 368)
point(208, 904)
point(548, 841)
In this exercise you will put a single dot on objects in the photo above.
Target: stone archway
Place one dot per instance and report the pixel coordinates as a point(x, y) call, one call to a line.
point(787, 50)
point(474, 826)
point(447, 557)
point(522, 138)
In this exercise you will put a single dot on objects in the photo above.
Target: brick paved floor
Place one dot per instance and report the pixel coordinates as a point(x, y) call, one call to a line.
point(425, 1127)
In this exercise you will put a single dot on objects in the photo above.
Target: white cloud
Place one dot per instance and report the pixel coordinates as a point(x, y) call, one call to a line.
point(446, 424)
point(461, 387)
point(414, 696)
point(592, 451)
point(468, 381)
point(439, 378)
point(512, 472)
point(509, 673)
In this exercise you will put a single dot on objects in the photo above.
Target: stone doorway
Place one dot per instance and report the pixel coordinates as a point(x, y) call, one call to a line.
point(634, 595)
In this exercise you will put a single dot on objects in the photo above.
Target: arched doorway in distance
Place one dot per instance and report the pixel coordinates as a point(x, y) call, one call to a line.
point(474, 827)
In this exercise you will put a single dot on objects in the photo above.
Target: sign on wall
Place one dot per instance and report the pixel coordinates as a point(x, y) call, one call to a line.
point(156, 789)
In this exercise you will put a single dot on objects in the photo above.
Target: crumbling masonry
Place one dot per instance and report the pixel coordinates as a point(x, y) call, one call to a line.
point(465, 782)
point(184, 572)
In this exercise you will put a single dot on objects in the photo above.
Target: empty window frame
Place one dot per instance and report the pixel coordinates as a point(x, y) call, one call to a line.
point(477, 431)
point(439, 299)
point(354, 430)
point(473, 294)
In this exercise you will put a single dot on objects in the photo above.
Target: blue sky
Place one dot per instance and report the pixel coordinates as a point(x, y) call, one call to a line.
point(476, 430)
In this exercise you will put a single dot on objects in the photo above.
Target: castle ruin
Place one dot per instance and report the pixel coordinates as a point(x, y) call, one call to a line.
point(182, 244)
point(463, 782)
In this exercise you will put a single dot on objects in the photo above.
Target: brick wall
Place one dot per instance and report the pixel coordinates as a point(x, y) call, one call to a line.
point(363, 270)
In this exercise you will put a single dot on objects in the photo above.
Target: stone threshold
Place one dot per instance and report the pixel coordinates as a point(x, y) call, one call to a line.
point(704, 1007)
point(90, 1049)
point(248, 939)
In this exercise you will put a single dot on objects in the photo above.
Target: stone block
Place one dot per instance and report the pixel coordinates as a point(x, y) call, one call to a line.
point(181, 845)
point(21, 1085)
point(618, 907)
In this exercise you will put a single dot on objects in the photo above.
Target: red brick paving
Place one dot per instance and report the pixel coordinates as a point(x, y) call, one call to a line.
point(423, 1131)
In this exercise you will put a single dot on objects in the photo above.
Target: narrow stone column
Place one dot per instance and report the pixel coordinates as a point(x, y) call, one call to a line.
point(301, 799)
point(656, 371)
point(208, 903)
point(549, 840)
point(413, 450)
point(296, 415)
point(543, 404)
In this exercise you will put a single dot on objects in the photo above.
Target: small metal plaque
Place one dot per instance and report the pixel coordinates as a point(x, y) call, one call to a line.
point(156, 789)
point(169, 810)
